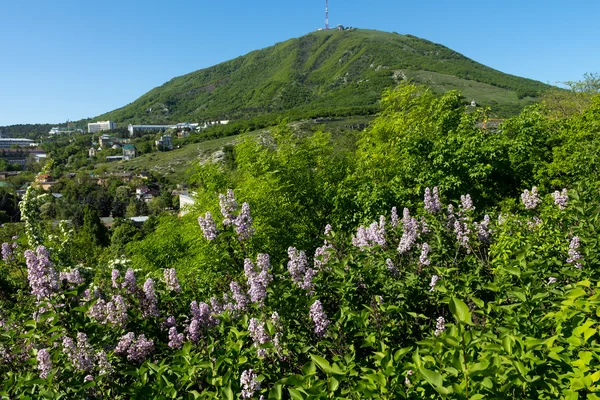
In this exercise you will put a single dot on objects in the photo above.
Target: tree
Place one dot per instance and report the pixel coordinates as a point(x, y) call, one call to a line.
point(577, 96)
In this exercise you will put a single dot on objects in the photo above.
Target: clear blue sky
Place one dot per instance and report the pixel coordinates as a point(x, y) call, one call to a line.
point(71, 59)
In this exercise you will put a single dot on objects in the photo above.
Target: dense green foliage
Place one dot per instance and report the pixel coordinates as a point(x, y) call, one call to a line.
point(493, 300)
point(323, 73)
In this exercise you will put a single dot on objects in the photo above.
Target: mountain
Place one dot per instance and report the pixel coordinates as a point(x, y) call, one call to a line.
point(325, 73)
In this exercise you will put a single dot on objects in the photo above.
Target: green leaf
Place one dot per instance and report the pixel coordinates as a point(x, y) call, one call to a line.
point(322, 363)
point(434, 378)
point(460, 311)
point(295, 394)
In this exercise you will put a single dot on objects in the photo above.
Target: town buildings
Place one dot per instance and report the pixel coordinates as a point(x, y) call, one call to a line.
point(128, 151)
point(164, 143)
point(7, 143)
point(101, 126)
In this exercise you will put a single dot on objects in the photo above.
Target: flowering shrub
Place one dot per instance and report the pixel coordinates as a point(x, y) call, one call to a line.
point(435, 304)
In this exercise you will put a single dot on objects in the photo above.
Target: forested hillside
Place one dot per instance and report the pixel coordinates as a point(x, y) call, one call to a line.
point(325, 73)
point(427, 256)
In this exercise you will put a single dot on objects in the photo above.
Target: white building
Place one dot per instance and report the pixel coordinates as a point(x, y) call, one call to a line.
point(62, 131)
point(148, 128)
point(101, 126)
point(6, 143)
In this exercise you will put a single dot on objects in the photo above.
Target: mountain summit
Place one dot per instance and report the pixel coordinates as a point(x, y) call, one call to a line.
point(325, 72)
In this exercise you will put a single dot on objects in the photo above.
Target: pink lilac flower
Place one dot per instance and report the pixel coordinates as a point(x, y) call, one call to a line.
point(319, 318)
point(208, 226)
point(561, 199)
point(171, 280)
point(44, 363)
point(149, 302)
point(434, 280)
point(43, 279)
point(228, 206)
point(530, 199)
point(574, 254)
point(440, 326)
point(423, 258)
point(410, 232)
point(129, 281)
point(259, 335)
point(115, 277)
point(432, 201)
point(175, 339)
point(249, 384)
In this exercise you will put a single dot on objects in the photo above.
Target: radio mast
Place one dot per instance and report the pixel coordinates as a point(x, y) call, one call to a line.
point(326, 15)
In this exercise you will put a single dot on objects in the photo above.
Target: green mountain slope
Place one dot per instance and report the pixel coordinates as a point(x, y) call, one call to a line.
point(323, 72)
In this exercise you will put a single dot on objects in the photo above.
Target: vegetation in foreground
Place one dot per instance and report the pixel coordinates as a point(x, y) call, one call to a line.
point(478, 280)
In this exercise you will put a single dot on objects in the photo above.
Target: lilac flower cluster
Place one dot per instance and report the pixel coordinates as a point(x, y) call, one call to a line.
point(434, 280)
point(466, 204)
point(551, 280)
point(241, 222)
point(129, 281)
point(530, 199)
point(483, 229)
point(258, 280)
point(323, 253)
point(462, 231)
point(432, 201)
point(560, 199)
point(259, 335)
point(73, 277)
point(372, 236)
point(298, 268)
point(249, 384)
point(44, 363)
point(114, 276)
point(104, 366)
point(171, 280)
point(81, 355)
point(175, 339)
point(137, 350)
point(43, 279)
point(116, 311)
point(440, 326)
point(228, 206)
point(410, 232)
point(202, 313)
point(574, 254)
point(208, 226)
point(391, 267)
point(423, 258)
point(241, 301)
point(148, 301)
point(7, 252)
point(394, 221)
point(319, 318)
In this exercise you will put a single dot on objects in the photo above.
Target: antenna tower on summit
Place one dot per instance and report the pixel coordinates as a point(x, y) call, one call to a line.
point(326, 15)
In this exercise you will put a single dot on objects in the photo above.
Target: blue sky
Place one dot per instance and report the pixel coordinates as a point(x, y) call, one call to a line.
point(71, 59)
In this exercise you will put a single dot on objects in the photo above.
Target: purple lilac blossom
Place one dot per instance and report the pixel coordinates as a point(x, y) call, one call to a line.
point(98, 311)
point(208, 226)
point(259, 335)
point(372, 236)
point(483, 229)
point(551, 280)
point(249, 384)
point(258, 281)
point(561, 199)
point(432, 202)
point(228, 207)
point(243, 223)
point(140, 349)
point(129, 281)
point(73, 276)
point(462, 234)
point(149, 302)
point(169, 322)
point(175, 339)
point(423, 258)
point(440, 326)
point(194, 331)
point(104, 366)
point(450, 216)
point(7, 252)
point(171, 280)
point(114, 275)
point(391, 267)
point(116, 311)
point(44, 363)
point(574, 254)
point(298, 269)
point(394, 218)
point(530, 199)
point(466, 204)
point(328, 229)
point(319, 318)
point(88, 378)
point(434, 280)
point(124, 343)
point(43, 279)
point(410, 232)
point(241, 301)
point(203, 313)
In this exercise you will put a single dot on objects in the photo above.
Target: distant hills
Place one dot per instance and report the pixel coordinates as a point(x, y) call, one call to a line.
point(325, 72)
